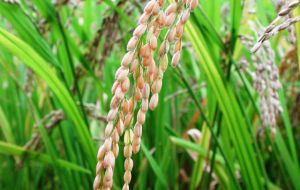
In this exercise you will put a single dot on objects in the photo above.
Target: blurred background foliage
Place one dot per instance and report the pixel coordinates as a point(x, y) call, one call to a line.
point(57, 65)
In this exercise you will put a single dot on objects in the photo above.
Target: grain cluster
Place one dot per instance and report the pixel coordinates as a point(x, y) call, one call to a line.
point(138, 83)
point(266, 82)
point(281, 22)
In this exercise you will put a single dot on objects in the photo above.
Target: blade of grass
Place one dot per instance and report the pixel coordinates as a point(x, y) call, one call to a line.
point(236, 13)
point(288, 128)
point(196, 176)
point(220, 163)
point(234, 120)
point(6, 128)
point(195, 147)
point(14, 150)
point(290, 166)
point(40, 66)
point(27, 31)
point(297, 12)
point(156, 169)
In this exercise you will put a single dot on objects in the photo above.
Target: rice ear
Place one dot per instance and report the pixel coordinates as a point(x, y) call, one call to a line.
point(141, 64)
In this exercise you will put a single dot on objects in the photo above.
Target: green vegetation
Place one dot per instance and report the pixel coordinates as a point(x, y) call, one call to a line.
point(220, 121)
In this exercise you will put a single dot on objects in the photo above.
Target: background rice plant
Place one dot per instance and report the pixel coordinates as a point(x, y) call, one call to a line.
point(61, 56)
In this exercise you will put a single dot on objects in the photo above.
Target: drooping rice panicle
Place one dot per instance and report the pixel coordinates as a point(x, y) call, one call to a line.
point(141, 66)
point(273, 28)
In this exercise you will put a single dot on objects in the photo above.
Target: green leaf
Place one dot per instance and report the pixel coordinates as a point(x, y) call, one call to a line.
point(27, 31)
point(24, 52)
point(228, 104)
point(6, 128)
point(14, 150)
point(157, 170)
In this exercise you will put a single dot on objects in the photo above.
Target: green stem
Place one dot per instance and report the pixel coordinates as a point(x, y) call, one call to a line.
point(72, 68)
point(297, 25)
point(180, 73)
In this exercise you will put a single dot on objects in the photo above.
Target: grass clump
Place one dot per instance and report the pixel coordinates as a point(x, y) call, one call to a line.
point(88, 100)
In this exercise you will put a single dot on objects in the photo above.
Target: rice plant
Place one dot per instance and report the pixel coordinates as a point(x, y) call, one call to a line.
point(156, 94)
